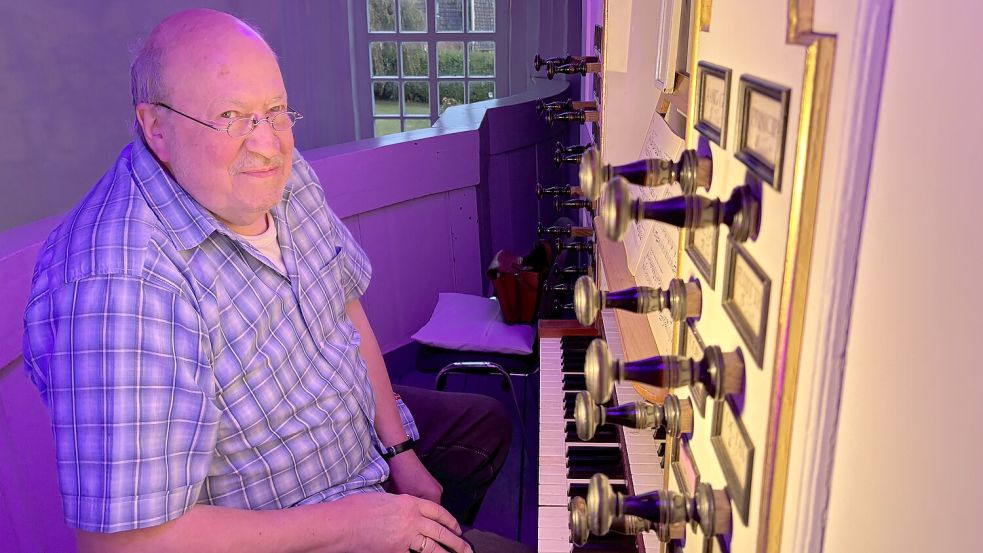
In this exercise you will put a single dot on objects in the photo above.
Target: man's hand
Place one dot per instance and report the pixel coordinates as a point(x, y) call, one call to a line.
point(408, 475)
point(397, 523)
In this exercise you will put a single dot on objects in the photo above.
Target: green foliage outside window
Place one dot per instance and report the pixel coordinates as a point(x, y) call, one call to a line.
point(483, 63)
point(382, 15)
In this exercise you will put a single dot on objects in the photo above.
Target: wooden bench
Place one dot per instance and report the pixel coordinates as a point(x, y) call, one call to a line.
point(31, 517)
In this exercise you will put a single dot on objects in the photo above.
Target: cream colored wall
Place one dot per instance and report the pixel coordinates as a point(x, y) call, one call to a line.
point(906, 475)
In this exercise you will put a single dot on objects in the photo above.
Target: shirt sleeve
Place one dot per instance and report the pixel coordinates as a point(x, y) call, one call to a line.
point(123, 368)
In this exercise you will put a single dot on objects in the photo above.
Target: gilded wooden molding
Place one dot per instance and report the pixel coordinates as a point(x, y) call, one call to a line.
point(704, 17)
point(809, 146)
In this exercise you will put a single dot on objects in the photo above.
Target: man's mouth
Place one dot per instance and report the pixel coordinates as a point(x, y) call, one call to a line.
point(262, 172)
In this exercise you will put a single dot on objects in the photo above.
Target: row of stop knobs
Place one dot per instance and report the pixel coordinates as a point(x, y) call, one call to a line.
point(662, 511)
point(693, 171)
point(721, 373)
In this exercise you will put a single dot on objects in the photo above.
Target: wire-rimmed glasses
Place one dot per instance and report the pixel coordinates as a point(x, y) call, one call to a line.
point(242, 126)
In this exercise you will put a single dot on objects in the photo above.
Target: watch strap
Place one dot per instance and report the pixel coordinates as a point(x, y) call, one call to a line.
point(395, 450)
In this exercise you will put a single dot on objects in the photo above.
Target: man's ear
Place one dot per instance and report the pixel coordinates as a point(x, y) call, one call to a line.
point(153, 130)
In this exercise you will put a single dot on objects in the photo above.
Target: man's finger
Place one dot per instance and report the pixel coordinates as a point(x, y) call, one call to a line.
point(435, 512)
point(442, 536)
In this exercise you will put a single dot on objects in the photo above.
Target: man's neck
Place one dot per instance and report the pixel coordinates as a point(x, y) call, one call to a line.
point(255, 228)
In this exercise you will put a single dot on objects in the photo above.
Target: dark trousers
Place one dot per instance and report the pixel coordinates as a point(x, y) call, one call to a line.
point(464, 440)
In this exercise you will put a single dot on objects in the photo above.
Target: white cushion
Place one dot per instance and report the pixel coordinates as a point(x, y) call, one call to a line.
point(473, 323)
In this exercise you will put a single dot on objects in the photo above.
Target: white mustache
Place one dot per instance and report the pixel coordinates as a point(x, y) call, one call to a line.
point(256, 162)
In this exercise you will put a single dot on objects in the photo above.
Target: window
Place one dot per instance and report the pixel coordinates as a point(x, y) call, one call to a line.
point(427, 55)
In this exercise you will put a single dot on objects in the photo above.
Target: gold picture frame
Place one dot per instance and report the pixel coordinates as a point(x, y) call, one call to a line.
point(735, 453)
point(762, 125)
point(713, 101)
point(691, 336)
point(746, 284)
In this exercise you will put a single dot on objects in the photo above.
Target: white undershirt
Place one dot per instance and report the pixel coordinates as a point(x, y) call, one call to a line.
point(268, 245)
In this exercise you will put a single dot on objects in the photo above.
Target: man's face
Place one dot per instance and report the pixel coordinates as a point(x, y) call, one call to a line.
point(237, 179)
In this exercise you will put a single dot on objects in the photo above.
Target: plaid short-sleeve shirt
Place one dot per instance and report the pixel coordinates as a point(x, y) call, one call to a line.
point(180, 367)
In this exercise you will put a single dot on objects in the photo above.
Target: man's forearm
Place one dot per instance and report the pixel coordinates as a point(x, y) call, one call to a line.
point(388, 424)
point(319, 527)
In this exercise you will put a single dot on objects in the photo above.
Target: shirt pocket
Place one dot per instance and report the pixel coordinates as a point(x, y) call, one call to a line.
point(326, 301)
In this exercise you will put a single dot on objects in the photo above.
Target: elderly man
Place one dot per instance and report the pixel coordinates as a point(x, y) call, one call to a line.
point(196, 332)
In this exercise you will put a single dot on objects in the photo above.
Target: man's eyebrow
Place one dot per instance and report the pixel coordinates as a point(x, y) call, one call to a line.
point(237, 103)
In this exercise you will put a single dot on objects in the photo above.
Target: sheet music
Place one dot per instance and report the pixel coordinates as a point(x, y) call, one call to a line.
point(657, 257)
point(657, 266)
point(660, 142)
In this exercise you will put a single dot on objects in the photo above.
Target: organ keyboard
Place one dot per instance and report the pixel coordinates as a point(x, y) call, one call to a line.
point(629, 457)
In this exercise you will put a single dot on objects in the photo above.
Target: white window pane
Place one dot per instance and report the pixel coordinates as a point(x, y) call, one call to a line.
point(385, 98)
point(451, 93)
point(481, 59)
point(481, 90)
point(383, 59)
point(382, 15)
point(450, 59)
point(450, 16)
point(387, 126)
point(416, 98)
point(413, 16)
point(416, 62)
point(481, 16)
point(415, 123)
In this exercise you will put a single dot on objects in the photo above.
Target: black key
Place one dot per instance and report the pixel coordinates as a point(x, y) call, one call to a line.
point(611, 543)
point(580, 490)
point(615, 472)
point(576, 342)
point(568, 405)
point(573, 381)
point(604, 434)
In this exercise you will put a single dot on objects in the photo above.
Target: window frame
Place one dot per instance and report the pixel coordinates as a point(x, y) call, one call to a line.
point(361, 60)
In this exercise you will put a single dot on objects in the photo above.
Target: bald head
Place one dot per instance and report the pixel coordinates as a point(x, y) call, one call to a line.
point(183, 39)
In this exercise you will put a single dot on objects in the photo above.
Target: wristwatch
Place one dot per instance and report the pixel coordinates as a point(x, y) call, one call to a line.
point(395, 450)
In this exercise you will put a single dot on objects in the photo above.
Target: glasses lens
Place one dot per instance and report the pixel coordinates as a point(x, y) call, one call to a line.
point(285, 120)
point(241, 126)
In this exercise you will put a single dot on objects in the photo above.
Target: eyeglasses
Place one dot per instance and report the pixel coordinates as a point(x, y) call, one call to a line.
point(242, 126)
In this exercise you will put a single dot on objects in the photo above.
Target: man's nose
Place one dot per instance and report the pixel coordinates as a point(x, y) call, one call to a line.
point(264, 140)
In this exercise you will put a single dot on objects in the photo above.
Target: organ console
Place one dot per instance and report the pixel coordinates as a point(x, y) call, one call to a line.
point(722, 373)
point(682, 299)
point(743, 114)
point(693, 170)
point(566, 463)
point(741, 211)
